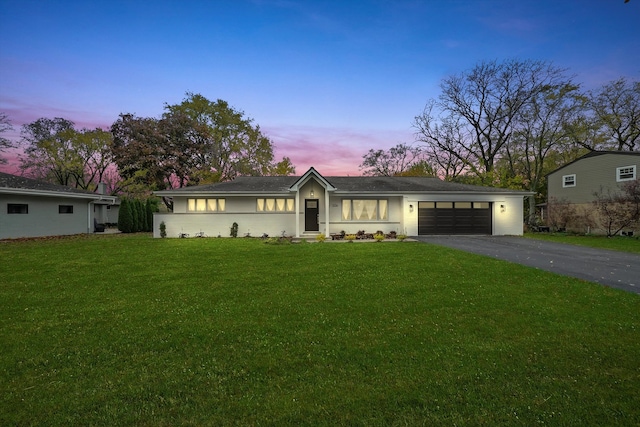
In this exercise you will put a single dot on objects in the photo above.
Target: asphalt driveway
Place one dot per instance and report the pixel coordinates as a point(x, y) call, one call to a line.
point(611, 268)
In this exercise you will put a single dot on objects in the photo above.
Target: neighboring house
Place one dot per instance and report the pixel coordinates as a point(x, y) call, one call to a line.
point(599, 171)
point(311, 204)
point(32, 208)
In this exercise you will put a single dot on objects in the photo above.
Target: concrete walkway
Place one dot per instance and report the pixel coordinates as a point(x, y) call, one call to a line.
point(619, 270)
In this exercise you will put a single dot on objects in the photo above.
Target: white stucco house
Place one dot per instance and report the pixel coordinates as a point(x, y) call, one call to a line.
point(32, 208)
point(307, 205)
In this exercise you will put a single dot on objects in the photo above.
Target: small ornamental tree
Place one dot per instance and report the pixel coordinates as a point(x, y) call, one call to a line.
point(619, 210)
point(125, 220)
point(560, 213)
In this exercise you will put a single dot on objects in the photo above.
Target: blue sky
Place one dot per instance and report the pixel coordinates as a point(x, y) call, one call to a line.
point(325, 80)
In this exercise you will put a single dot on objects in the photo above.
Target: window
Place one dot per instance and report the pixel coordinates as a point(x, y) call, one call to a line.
point(452, 205)
point(365, 210)
point(17, 208)
point(626, 173)
point(275, 205)
point(569, 180)
point(206, 205)
point(65, 209)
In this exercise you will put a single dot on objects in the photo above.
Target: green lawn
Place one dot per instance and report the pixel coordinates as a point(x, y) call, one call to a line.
point(129, 330)
point(618, 243)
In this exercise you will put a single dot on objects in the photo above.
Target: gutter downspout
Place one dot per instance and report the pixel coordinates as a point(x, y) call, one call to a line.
point(89, 206)
point(326, 213)
point(298, 213)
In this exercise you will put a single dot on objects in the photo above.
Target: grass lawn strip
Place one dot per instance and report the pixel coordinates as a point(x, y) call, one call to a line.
point(131, 330)
point(617, 243)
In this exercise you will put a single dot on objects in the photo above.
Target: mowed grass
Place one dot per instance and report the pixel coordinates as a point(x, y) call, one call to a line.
point(617, 243)
point(130, 330)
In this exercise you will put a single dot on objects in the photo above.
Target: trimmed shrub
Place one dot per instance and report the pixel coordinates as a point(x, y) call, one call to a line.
point(125, 219)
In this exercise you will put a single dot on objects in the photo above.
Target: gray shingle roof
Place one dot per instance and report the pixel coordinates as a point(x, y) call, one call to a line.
point(346, 184)
point(22, 183)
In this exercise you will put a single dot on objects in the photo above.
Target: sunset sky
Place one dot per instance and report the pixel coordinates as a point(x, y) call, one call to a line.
point(325, 80)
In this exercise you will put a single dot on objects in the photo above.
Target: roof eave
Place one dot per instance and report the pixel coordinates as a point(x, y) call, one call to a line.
point(45, 193)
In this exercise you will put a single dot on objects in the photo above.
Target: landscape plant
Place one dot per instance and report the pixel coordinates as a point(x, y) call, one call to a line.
point(125, 217)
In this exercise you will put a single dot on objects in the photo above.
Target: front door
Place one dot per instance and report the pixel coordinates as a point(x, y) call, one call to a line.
point(311, 213)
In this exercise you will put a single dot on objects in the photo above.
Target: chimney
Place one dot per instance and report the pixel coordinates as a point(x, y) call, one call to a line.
point(102, 188)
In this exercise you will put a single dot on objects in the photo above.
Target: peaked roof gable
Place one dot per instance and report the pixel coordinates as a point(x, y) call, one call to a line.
point(596, 154)
point(307, 176)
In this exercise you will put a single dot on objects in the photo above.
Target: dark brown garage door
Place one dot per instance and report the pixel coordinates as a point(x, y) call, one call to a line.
point(454, 218)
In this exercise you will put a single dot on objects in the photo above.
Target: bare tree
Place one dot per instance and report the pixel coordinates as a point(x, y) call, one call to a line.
point(5, 125)
point(480, 108)
point(616, 109)
point(391, 162)
point(618, 209)
point(540, 131)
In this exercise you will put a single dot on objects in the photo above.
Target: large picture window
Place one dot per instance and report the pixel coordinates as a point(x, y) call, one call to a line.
point(365, 210)
point(206, 205)
point(275, 205)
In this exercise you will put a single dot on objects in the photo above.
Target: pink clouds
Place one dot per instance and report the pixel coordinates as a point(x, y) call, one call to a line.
point(331, 151)
point(21, 113)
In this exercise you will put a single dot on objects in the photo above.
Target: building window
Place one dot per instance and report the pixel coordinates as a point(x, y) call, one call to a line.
point(206, 205)
point(626, 173)
point(17, 208)
point(275, 205)
point(569, 180)
point(365, 210)
point(65, 209)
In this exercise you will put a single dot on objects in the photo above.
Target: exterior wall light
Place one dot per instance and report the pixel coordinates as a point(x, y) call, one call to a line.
point(503, 208)
point(410, 208)
point(311, 193)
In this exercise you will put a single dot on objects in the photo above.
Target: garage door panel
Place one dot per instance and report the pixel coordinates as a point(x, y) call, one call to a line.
point(458, 218)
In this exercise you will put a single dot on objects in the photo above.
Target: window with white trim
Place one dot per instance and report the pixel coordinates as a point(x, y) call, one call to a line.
point(365, 210)
point(275, 205)
point(569, 180)
point(206, 205)
point(626, 173)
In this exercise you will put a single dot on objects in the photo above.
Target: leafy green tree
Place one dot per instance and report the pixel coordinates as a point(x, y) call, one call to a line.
point(149, 209)
point(142, 215)
point(227, 144)
point(125, 218)
point(195, 142)
point(283, 168)
point(56, 152)
point(135, 216)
